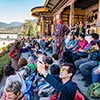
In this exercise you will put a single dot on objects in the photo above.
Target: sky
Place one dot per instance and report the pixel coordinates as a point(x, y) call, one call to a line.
point(17, 10)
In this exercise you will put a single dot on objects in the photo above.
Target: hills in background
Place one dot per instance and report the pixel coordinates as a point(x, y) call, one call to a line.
point(15, 27)
point(14, 24)
point(4, 26)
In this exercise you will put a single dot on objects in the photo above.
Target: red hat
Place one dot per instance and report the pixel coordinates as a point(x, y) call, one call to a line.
point(61, 22)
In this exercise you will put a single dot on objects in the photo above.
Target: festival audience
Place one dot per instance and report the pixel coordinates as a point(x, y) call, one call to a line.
point(86, 65)
point(50, 75)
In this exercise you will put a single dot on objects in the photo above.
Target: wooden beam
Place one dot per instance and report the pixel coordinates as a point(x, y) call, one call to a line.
point(58, 5)
point(55, 2)
point(84, 4)
point(46, 2)
point(98, 20)
point(71, 19)
point(69, 2)
point(49, 7)
point(51, 4)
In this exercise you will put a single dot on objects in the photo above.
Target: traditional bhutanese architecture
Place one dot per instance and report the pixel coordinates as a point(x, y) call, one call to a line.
point(71, 11)
point(45, 18)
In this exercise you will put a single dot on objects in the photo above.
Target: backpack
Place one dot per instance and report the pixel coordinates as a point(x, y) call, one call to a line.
point(94, 90)
point(55, 96)
point(27, 73)
point(79, 96)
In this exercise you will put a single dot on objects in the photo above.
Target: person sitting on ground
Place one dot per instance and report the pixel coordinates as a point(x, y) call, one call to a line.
point(40, 80)
point(13, 92)
point(81, 44)
point(94, 37)
point(55, 58)
point(48, 62)
point(50, 47)
point(13, 75)
point(87, 49)
point(42, 43)
point(71, 54)
point(31, 62)
point(72, 42)
point(85, 65)
point(80, 47)
point(24, 69)
point(66, 55)
point(47, 90)
point(96, 74)
point(36, 47)
point(67, 88)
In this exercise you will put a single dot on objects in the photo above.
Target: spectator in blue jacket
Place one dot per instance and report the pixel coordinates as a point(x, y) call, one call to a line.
point(72, 42)
point(67, 88)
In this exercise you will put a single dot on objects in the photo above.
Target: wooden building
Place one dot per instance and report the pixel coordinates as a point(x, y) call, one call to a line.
point(71, 11)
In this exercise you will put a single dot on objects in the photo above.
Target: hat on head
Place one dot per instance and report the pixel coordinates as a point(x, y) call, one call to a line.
point(61, 22)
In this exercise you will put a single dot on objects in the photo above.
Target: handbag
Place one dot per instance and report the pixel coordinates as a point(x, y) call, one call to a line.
point(94, 90)
point(55, 97)
point(79, 96)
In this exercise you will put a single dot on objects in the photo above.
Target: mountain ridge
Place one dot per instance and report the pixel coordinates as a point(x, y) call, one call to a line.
point(14, 24)
point(15, 27)
point(4, 25)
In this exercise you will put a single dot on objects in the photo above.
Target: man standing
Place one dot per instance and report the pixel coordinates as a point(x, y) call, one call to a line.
point(60, 31)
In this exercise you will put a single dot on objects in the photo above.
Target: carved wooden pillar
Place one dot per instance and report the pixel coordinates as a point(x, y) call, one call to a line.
point(98, 20)
point(60, 16)
point(42, 26)
point(71, 19)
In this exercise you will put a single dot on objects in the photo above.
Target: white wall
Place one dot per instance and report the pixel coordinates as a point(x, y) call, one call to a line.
point(11, 36)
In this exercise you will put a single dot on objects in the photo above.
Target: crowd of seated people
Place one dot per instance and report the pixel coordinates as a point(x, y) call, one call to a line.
point(12, 76)
point(85, 65)
point(24, 55)
point(40, 67)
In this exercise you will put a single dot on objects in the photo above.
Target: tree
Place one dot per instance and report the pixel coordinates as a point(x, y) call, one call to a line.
point(28, 28)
